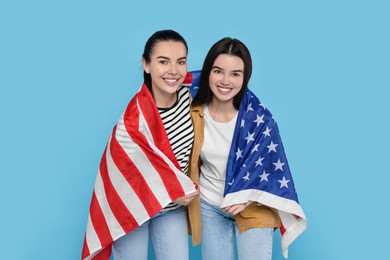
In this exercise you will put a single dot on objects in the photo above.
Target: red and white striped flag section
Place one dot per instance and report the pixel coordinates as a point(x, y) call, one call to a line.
point(138, 176)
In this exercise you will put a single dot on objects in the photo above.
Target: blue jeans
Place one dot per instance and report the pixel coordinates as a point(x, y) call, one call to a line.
point(220, 237)
point(169, 235)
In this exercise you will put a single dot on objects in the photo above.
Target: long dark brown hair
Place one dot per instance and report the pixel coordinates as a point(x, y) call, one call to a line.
point(159, 36)
point(228, 46)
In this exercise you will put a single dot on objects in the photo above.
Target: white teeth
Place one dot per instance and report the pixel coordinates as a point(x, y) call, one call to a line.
point(171, 80)
point(224, 90)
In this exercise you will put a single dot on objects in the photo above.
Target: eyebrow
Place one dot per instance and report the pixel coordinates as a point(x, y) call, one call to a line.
point(166, 58)
point(216, 67)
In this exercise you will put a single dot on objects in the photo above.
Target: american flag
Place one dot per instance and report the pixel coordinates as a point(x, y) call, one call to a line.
point(258, 170)
point(138, 176)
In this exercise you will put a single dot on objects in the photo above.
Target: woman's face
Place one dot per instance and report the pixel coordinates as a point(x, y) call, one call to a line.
point(167, 68)
point(226, 77)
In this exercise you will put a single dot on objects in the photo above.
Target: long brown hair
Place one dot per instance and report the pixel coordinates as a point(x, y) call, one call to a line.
point(159, 36)
point(228, 46)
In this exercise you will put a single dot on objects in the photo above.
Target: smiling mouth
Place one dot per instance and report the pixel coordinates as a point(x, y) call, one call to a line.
point(224, 89)
point(170, 80)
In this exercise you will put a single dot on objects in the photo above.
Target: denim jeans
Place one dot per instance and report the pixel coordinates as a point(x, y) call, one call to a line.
point(220, 237)
point(169, 235)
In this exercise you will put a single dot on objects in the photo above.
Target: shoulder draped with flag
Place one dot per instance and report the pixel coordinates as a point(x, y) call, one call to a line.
point(258, 170)
point(138, 176)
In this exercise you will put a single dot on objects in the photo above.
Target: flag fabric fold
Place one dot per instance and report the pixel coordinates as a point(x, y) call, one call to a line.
point(258, 170)
point(138, 176)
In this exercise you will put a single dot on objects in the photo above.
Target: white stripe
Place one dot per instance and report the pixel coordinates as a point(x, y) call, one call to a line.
point(125, 191)
point(265, 198)
point(91, 237)
point(185, 181)
point(114, 227)
point(294, 227)
point(92, 255)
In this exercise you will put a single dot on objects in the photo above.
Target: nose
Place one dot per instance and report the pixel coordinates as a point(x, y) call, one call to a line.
point(225, 80)
point(172, 69)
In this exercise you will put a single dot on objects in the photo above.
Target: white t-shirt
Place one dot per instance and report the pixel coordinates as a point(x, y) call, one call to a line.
point(214, 155)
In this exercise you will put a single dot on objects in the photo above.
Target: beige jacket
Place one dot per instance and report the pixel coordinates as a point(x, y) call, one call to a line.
point(254, 216)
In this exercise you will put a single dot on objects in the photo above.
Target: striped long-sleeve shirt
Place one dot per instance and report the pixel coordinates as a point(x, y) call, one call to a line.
point(178, 126)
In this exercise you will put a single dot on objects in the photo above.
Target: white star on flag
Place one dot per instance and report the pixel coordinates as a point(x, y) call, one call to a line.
point(259, 161)
point(259, 120)
point(249, 137)
point(283, 182)
point(267, 132)
point(255, 149)
point(264, 176)
point(272, 147)
point(246, 177)
point(238, 154)
point(249, 107)
point(278, 165)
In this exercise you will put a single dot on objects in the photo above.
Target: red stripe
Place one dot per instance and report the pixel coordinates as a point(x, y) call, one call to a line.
point(85, 252)
point(282, 229)
point(118, 208)
point(188, 79)
point(134, 177)
point(99, 222)
point(152, 117)
point(104, 254)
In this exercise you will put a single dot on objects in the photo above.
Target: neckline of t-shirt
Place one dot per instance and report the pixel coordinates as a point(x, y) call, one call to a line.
point(207, 113)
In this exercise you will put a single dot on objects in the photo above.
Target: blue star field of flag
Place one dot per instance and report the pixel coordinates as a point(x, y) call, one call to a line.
point(257, 159)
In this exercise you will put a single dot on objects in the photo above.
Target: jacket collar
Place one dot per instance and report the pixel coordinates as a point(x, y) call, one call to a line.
point(198, 109)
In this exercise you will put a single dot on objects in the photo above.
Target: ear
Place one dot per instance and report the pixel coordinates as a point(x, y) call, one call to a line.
point(145, 65)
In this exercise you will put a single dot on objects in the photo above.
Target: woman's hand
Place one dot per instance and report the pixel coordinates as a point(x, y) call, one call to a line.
point(185, 200)
point(236, 208)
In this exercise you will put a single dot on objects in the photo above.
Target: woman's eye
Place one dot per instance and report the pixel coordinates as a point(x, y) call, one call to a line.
point(182, 62)
point(163, 62)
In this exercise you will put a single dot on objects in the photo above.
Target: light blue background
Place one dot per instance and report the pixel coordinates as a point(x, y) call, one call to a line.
point(68, 69)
